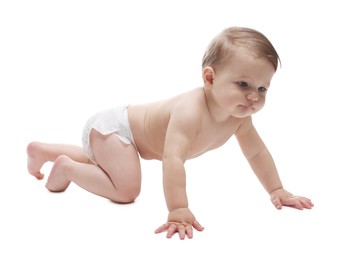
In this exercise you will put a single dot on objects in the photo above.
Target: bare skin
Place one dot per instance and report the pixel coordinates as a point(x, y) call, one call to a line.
point(71, 164)
point(173, 131)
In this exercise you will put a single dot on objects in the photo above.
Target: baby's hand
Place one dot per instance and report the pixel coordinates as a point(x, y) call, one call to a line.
point(281, 197)
point(180, 220)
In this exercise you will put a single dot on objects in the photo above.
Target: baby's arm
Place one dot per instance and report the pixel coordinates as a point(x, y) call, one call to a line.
point(180, 132)
point(264, 167)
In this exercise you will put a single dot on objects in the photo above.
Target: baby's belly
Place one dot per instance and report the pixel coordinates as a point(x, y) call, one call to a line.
point(147, 144)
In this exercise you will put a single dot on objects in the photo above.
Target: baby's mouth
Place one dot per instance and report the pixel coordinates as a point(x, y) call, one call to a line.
point(248, 105)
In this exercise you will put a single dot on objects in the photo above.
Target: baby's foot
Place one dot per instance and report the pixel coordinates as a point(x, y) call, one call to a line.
point(57, 181)
point(35, 159)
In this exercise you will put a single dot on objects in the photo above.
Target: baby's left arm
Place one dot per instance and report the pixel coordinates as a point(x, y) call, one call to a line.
point(264, 167)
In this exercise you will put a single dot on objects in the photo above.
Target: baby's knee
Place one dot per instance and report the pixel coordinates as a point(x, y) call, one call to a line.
point(126, 196)
point(63, 162)
point(32, 148)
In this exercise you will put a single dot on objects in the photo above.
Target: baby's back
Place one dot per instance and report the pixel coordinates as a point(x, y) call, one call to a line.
point(149, 123)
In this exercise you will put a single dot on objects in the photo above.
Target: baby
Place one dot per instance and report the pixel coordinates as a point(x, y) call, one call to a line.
point(237, 69)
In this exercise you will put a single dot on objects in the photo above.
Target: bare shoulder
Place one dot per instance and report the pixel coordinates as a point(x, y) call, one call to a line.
point(189, 106)
point(186, 106)
point(186, 113)
point(185, 121)
point(151, 121)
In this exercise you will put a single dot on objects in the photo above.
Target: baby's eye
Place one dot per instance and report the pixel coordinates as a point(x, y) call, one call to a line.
point(262, 89)
point(243, 84)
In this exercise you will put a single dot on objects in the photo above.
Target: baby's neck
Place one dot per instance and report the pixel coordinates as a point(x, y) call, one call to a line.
point(216, 113)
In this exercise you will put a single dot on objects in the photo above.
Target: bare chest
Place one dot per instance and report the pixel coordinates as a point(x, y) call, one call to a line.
point(211, 137)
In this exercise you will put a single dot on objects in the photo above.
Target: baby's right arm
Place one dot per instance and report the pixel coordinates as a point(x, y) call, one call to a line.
point(181, 131)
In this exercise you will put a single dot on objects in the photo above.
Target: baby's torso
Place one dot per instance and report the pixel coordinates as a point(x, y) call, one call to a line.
point(149, 124)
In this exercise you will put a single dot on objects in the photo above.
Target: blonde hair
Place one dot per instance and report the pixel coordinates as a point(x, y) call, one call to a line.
point(225, 43)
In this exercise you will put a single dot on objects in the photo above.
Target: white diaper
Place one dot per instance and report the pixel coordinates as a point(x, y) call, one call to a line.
point(113, 120)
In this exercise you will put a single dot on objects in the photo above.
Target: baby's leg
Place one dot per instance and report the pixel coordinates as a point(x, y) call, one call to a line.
point(118, 177)
point(40, 153)
point(121, 163)
point(88, 176)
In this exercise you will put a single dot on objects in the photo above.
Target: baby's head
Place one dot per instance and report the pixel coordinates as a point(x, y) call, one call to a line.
point(225, 44)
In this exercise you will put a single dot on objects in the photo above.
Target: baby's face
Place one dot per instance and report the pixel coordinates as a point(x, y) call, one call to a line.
point(240, 86)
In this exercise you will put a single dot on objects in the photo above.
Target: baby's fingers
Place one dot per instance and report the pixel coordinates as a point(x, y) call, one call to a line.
point(197, 226)
point(277, 202)
point(171, 230)
point(162, 228)
point(306, 202)
point(296, 202)
point(189, 231)
point(183, 229)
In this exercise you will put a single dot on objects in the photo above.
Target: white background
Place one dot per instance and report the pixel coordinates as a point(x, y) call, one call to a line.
point(62, 61)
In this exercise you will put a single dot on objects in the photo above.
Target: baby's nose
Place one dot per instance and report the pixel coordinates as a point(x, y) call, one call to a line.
point(253, 96)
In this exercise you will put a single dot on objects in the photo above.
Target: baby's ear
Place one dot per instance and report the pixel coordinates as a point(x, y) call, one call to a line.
point(208, 75)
